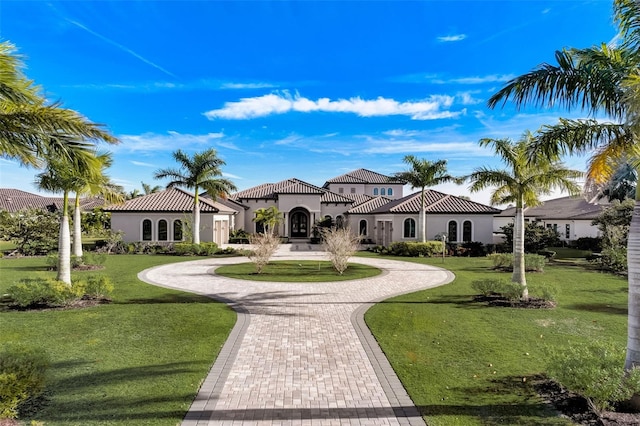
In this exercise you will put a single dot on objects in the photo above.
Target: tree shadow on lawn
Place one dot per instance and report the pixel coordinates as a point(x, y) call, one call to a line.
point(600, 308)
point(528, 406)
point(90, 397)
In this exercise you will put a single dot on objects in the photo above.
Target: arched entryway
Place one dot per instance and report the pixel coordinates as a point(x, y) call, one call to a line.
point(299, 223)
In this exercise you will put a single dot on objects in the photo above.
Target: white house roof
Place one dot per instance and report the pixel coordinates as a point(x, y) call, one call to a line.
point(169, 200)
point(363, 176)
point(565, 208)
point(435, 202)
point(271, 191)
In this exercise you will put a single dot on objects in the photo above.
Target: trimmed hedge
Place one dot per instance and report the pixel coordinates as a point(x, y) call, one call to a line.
point(414, 249)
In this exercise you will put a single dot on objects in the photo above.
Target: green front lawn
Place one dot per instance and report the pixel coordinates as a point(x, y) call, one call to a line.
point(297, 271)
point(139, 360)
point(464, 363)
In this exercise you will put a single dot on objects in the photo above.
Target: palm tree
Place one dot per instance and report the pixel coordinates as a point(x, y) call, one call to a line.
point(522, 182)
point(597, 80)
point(422, 174)
point(31, 129)
point(269, 218)
point(97, 183)
point(148, 189)
point(201, 171)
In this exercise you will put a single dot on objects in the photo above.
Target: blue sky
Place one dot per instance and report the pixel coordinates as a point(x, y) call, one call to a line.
point(295, 89)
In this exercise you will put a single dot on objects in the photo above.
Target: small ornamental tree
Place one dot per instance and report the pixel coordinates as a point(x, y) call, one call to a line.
point(536, 237)
point(33, 231)
point(341, 244)
point(264, 245)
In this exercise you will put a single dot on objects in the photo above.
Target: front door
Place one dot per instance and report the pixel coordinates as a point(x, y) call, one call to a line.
point(299, 225)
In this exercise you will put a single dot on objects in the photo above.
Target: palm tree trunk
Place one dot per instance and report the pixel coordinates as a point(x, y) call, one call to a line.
point(77, 229)
point(518, 253)
point(64, 244)
point(633, 262)
point(196, 218)
point(423, 219)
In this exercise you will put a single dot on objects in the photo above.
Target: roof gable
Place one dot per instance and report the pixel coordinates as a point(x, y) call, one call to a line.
point(573, 208)
point(364, 176)
point(435, 202)
point(169, 200)
point(271, 191)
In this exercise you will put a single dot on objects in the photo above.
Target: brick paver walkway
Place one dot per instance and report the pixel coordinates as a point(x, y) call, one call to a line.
point(300, 353)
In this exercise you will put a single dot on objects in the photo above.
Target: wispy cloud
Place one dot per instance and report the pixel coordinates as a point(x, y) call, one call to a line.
point(440, 79)
point(154, 142)
point(141, 164)
point(119, 46)
point(431, 108)
point(243, 86)
point(452, 38)
point(165, 86)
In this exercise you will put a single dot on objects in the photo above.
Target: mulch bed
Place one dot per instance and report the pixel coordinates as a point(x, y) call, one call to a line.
point(500, 301)
point(578, 410)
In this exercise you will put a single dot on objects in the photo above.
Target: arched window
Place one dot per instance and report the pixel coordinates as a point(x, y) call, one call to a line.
point(452, 230)
point(259, 227)
point(146, 230)
point(162, 230)
point(466, 231)
point(339, 221)
point(177, 230)
point(382, 191)
point(389, 191)
point(363, 227)
point(375, 191)
point(409, 228)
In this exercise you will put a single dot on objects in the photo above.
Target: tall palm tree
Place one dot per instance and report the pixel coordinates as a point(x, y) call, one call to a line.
point(597, 80)
point(201, 171)
point(423, 174)
point(93, 184)
point(521, 182)
point(31, 128)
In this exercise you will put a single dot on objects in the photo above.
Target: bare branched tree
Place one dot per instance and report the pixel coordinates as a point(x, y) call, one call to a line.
point(264, 245)
point(341, 244)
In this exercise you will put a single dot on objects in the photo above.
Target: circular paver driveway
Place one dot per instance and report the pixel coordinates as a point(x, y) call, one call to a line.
point(300, 353)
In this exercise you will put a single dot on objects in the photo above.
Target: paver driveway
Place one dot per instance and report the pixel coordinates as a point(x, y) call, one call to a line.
point(300, 353)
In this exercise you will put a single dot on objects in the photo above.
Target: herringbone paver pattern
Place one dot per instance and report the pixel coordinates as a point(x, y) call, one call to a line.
point(300, 353)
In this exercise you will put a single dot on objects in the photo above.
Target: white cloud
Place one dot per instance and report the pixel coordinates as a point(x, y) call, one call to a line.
point(451, 38)
point(153, 142)
point(140, 163)
point(433, 107)
point(240, 86)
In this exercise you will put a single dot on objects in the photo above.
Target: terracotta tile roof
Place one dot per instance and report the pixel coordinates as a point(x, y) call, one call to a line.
point(435, 202)
point(363, 176)
point(169, 200)
point(289, 186)
point(13, 200)
point(564, 208)
point(367, 206)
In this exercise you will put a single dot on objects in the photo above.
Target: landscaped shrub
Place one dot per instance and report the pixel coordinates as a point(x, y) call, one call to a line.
point(208, 249)
point(511, 291)
point(596, 372)
point(613, 259)
point(44, 292)
point(264, 246)
point(22, 377)
point(488, 286)
point(548, 254)
point(341, 244)
point(185, 249)
point(88, 259)
point(98, 287)
point(473, 249)
point(588, 243)
point(415, 249)
point(504, 261)
point(545, 292)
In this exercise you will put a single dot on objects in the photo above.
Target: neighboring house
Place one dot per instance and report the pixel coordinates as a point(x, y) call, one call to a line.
point(570, 216)
point(162, 217)
point(356, 198)
point(14, 200)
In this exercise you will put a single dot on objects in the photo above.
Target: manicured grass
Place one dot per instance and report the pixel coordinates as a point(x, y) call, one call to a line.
point(569, 253)
point(465, 363)
point(6, 246)
point(297, 271)
point(139, 360)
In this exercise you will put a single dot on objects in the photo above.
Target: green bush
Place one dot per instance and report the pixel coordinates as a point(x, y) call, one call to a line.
point(22, 377)
point(186, 249)
point(88, 258)
point(416, 249)
point(545, 292)
point(488, 286)
point(504, 261)
point(44, 292)
point(596, 372)
point(98, 287)
point(587, 243)
point(207, 249)
point(512, 291)
point(614, 259)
